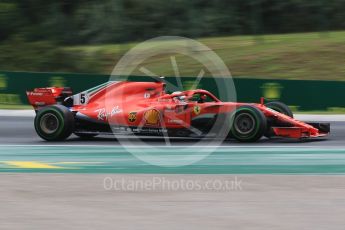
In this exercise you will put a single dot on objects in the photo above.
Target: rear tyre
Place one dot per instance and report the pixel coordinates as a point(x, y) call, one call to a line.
point(248, 124)
point(54, 123)
point(281, 108)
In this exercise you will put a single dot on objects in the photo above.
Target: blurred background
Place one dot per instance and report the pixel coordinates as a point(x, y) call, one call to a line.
point(86, 35)
point(259, 39)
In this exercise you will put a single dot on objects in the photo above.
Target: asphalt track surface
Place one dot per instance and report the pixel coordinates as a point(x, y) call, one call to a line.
point(71, 185)
point(21, 150)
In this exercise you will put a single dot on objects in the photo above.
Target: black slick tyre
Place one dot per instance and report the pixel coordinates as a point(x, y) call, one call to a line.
point(248, 124)
point(54, 123)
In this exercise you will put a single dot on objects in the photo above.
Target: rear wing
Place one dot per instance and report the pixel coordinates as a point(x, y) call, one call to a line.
point(48, 96)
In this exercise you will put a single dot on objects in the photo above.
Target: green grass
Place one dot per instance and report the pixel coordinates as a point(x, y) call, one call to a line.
point(15, 107)
point(309, 56)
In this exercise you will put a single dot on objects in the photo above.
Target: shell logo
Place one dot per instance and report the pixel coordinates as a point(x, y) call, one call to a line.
point(152, 117)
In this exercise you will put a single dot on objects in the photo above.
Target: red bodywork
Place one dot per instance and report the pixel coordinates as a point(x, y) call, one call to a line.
point(146, 104)
point(46, 96)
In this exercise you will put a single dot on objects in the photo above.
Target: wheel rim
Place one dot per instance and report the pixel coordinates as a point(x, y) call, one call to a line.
point(244, 123)
point(49, 123)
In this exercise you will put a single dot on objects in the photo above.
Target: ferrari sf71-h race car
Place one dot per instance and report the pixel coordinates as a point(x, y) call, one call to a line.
point(147, 109)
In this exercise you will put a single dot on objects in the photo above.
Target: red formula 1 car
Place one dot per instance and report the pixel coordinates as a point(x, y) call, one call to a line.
point(146, 108)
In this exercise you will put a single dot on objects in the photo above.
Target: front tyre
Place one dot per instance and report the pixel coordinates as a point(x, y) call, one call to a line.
point(248, 124)
point(54, 123)
point(281, 108)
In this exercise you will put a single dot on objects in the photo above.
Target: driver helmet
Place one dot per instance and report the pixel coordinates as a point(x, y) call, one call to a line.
point(179, 98)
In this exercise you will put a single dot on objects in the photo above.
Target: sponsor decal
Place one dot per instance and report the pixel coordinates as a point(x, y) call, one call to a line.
point(121, 129)
point(197, 109)
point(152, 117)
point(132, 116)
point(115, 110)
point(175, 121)
point(148, 130)
point(34, 94)
point(103, 115)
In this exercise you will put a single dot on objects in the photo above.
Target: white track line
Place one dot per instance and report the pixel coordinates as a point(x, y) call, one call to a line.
point(17, 113)
point(319, 117)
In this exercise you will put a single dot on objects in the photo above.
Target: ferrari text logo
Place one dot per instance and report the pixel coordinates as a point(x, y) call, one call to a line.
point(197, 109)
point(132, 116)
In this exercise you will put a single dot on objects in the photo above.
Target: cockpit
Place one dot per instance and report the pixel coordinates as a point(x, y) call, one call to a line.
point(198, 96)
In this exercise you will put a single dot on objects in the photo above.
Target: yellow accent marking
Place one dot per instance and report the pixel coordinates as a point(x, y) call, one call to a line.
point(31, 165)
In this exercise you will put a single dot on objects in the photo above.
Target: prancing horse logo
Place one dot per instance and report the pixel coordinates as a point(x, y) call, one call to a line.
point(197, 109)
